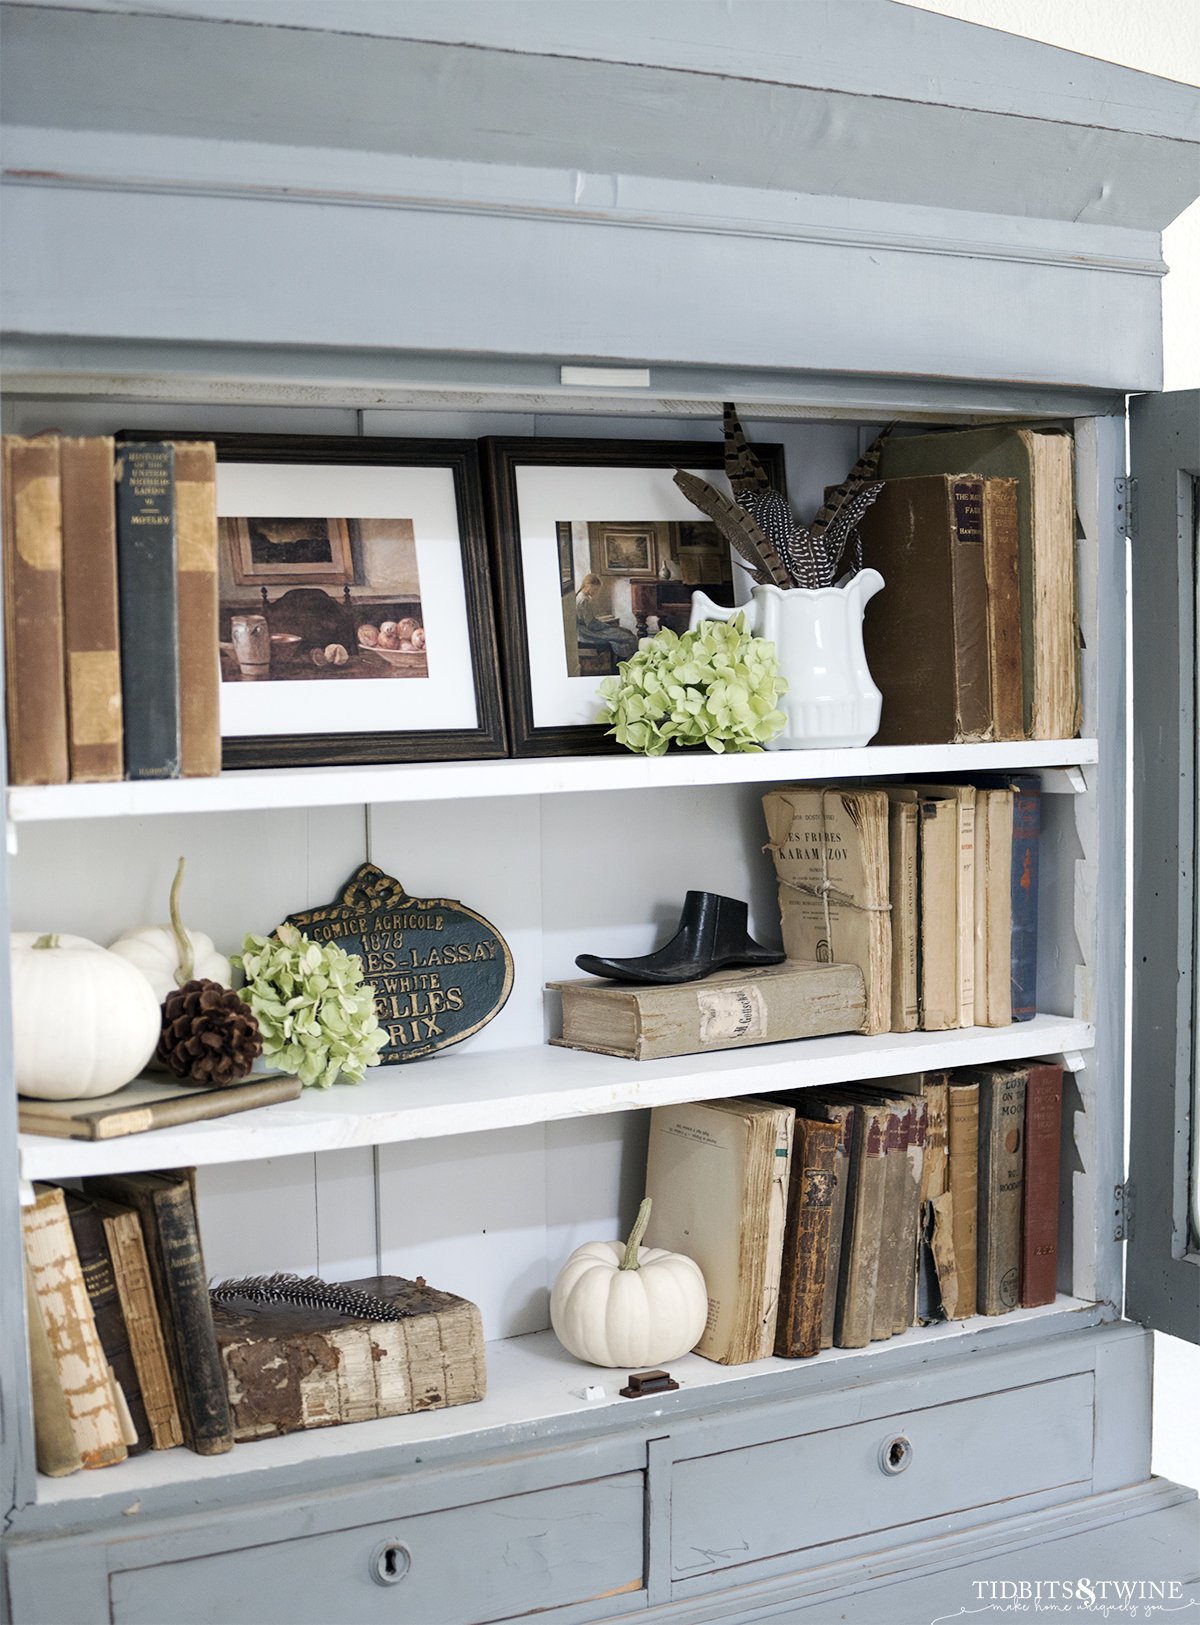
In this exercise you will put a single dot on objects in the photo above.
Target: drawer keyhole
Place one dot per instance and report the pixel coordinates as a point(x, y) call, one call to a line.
point(390, 1563)
point(895, 1455)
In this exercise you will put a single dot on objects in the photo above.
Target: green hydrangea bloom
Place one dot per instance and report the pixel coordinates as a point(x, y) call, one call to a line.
point(315, 1012)
point(717, 686)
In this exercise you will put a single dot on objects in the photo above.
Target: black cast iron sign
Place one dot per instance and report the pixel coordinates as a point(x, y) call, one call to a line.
point(440, 971)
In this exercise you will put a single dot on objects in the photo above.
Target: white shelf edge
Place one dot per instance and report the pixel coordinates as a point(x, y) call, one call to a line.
point(486, 1090)
point(261, 790)
point(532, 1381)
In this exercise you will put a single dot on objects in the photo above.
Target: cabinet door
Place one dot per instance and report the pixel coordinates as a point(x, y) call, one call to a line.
point(1163, 1275)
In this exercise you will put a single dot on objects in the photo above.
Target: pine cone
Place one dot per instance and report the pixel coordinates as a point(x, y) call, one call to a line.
point(208, 1034)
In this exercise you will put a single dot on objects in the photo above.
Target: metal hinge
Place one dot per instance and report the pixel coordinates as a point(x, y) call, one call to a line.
point(1126, 489)
point(1123, 1196)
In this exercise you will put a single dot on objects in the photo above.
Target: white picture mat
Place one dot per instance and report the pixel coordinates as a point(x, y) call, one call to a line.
point(444, 699)
point(546, 496)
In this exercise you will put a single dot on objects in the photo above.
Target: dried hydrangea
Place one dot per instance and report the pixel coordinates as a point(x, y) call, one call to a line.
point(316, 1014)
point(717, 686)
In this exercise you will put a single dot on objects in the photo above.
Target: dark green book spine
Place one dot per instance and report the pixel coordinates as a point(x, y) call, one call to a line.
point(145, 490)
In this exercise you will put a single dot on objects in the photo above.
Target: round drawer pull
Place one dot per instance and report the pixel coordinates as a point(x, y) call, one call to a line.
point(390, 1563)
point(895, 1455)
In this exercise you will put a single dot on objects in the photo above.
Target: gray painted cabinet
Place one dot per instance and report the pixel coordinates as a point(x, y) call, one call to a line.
point(389, 218)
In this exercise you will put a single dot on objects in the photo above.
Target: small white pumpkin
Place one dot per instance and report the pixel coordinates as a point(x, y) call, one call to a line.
point(85, 1022)
point(628, 1305)
point(168, 955)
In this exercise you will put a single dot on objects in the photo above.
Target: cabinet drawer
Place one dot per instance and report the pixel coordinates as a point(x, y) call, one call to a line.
point(464, 1566)
point(768, 1499)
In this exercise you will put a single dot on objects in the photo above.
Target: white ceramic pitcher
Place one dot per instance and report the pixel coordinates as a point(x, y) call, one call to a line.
point(831, 700)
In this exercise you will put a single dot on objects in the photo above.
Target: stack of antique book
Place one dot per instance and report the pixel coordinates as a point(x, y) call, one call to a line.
point(110, 609)
point(975, 635)
point(839, 1217)
point(129, 1350)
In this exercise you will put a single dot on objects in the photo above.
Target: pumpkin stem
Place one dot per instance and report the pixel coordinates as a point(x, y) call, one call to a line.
point(630, 1261)
point(183, 943)
point(50, 940)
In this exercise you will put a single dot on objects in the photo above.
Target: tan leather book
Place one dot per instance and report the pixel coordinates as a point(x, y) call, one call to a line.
point(35, 683)
point(717, 1174)
point(54, 1445)
point(1001, 564)
point(956, 1241)
point(135, 1290)
point(1041, 460)
point(993, 907)
point(803, 1274)
point(730, 1009)
point(947, 904)
point(926, 633)
point(892, 1272)
point(904, 895)
point(196, 567)
point(91, 626)
point(863, 1230)
point(830, 847)
point(940, 841)
point(71, 1326)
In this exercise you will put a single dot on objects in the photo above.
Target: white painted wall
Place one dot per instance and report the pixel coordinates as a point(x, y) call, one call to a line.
point(1163, 37)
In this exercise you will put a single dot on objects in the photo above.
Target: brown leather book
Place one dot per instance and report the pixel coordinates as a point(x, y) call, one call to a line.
point(90, 620)
point(196, 566)
point(33, 612)
point(135, 1289)
point(87, 1226)
point(1001, 1186)
point(1043, 1137)
point(1001, 565)
point(803, 1274)
point(889, 1283)
point(818, 1107)
point(71, 1326)
point(165, 1207)
point(926, 633)
point(956, 1242)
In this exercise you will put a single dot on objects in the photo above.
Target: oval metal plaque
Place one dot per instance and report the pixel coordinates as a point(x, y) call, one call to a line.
point(440, 971)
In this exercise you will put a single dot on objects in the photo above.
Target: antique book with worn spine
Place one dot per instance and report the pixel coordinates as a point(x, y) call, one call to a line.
point(904, 895)
point(290, 1366)
point(727, 1010)
point(830, 847)
point(1001, 1186)
point(35, 684)
point(91, 1243)
point(1040, 460)
point(1043, 1139)
point(145, 484)
point(196, 577)
point(165, 1206)
point(717, 1174)
point(149, 1103)
point(892, 1270)
point(932, 1208)
point(863, 1229)
point(55, 1450)
point(1001, 567)
point(90, 616)
point(926, 637)
point(71, 1327)
point(956, 1243)
point(1027, 824)
point(993, 907)
point(940, 983)
point(816, 1105)
point(803, 1272)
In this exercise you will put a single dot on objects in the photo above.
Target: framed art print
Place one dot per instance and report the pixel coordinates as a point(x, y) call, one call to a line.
point(595, 547)
point(355, 602)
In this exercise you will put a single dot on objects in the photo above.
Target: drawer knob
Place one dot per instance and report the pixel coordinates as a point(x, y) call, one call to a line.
point(390, 1563)
point(895, 1455)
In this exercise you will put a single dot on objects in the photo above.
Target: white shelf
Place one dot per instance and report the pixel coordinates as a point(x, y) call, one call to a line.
point(532, 1381)
point(552, 775)
point(469, 1092)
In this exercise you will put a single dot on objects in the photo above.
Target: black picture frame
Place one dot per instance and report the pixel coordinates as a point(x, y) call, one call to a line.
point(343, 749)
point(502, 458)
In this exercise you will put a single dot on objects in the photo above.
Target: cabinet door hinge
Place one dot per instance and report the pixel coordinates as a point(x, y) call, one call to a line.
point(1126, 498)
point(1123, 1210)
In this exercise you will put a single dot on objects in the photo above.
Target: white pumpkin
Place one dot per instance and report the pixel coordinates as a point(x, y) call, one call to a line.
point(84, 1021)
point(628, 1305)
point(169, 955)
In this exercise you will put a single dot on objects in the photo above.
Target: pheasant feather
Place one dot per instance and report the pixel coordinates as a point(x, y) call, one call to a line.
point(742, 467)
point(307, 1292)
point(738, 529)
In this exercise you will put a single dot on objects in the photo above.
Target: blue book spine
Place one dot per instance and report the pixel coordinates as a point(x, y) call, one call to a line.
point(1027, 828)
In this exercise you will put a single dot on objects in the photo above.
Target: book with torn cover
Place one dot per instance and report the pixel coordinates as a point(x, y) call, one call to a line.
point(149, 1103)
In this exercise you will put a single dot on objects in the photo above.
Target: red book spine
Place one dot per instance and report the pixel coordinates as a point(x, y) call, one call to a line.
point(1043, 1134)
